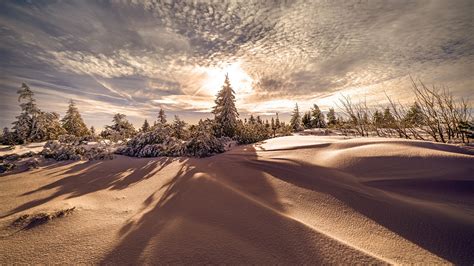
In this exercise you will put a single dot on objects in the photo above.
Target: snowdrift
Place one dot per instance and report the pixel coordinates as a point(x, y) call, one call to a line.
point(289, 200)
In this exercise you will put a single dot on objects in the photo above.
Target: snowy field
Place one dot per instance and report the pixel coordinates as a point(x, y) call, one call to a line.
point(289, 200)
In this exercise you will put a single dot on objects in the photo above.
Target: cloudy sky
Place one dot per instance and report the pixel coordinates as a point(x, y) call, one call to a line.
point(136, 56)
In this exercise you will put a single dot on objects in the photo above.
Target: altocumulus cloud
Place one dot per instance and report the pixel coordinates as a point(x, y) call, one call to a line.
point(136, 56)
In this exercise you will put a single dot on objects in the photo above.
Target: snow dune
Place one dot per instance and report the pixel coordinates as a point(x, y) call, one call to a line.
point(298, 199)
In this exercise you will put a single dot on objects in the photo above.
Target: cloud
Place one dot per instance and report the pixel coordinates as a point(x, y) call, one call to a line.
point(144, 54)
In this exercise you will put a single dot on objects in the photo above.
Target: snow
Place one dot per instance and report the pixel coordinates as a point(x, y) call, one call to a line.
point(288, 200)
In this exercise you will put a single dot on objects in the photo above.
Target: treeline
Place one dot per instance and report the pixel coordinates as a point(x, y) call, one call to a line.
point(67, 136)
point(434, 115)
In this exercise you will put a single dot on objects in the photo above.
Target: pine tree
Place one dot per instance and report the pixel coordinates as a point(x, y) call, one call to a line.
point(121, 128)
point(252, 120)
point(92, 130)
point(48, 127)
point(225, 112)
point(414, 116)
point(277, 122)
point(72, 122)
point(24, 126)
point(388, 119)
point(145, 126)
point(331, 116)
point(179, 128)
point(162, 117)
point(317, 117)
point(295, 121)
point(306, 119)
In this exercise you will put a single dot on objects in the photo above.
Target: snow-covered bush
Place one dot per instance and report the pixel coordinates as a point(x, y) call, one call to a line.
point(161, 141)
point(252, 132)
point(74, 150)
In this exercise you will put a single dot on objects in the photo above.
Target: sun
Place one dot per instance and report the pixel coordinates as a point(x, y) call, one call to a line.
point(240, 80)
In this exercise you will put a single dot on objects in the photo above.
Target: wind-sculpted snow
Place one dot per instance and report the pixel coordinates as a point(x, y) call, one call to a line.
point(288, 200)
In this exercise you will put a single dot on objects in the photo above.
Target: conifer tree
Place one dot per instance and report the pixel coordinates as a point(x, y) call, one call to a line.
point(306, 119)
point(295, 121)
point(179, 128)
point(317, 117)
point(145, 126)
point(414, 116)
point(277, 122)
point(388, 119)
point(162, 117)
point(121, 128)
point(331, 116)
point(27, 120)
point(225, 112)
point(72, 122)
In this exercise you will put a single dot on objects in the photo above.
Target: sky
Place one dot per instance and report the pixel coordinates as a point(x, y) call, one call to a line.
point(135, 57)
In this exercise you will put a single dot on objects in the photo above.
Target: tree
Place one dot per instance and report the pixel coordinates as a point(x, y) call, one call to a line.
point(306, 119)
point(388, 119)
point(277, 121)
point(377, 121)
point(331, 116)
point(162, 116)
point(48, 127)
point(121, 128)
point(27, 120)
point(72, 122)
point(8, 137)
point(414, 116)
point(145, 126)
point(225, 112)
point(295, 121)
point(179, 128)
point(317, 117)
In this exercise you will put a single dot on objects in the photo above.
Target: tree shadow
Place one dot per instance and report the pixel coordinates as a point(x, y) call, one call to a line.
point(448, 238)
point(91, 176)
point(216, 210)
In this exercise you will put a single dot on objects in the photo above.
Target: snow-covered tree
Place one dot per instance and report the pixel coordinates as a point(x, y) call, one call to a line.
point(92, 130)
point(203, 142)
point(145, 127)
point(317, 117)
point(331, 116)
point(48, 127)
point(8, 137)
point(306, 119)
point(179, 128)
point(295, 121)
point(225, 112)
point(27, 120)
point(73, 123)
point(161, 116)
point(121, 129)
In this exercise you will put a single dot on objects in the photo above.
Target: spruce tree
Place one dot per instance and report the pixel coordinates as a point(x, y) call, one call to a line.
point(295, 121)
point(317, 117)
point(277, 121)
point(388, 119)
point(120, 129)
point(225, 112)
point(179, 128)
point(414, 116)
point(331, 116)
point(24, 126)
point(72, 122)
point(145, 126)
point(306, 119)
point(162, 117)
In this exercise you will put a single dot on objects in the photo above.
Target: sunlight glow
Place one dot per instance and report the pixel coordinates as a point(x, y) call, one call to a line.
point(239, 79)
